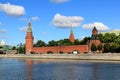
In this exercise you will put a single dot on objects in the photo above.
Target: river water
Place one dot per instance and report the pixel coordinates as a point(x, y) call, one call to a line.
point(36, 69)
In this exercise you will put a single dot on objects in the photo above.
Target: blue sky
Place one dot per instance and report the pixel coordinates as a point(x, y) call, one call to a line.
point(52, 19)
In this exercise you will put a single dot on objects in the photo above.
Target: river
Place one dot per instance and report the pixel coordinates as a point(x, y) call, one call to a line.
point(40, 69)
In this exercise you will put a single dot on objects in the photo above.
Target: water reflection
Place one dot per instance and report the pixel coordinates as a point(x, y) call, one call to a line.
point(32, 69)
point(29, 69)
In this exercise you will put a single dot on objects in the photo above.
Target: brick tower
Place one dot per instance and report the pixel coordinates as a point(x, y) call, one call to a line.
point(94, 38)
point(71, 37)
point(94, 31)
point(29, 38)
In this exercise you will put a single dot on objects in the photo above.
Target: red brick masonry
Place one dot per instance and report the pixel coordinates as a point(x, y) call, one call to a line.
point(64, 49)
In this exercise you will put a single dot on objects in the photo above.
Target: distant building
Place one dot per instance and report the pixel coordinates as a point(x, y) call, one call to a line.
point(57, 49)
point(2, 43)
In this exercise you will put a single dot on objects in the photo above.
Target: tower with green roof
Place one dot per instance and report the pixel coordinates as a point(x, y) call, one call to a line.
point(29, 38)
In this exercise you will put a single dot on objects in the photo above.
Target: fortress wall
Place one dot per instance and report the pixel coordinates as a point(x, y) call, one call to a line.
point(64, 49)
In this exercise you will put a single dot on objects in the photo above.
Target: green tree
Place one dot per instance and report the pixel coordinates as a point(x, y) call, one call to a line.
point(60, 42)
point(13, 48)
point(52, 43)
point(117, 41)
point(21, 50)
point(109, 37)
point(113, 37)
point(107, 47)
point(65, 42)
point(85, 40)
point(114, 47)
point(101, 37)
point(40, 43)
point(77, 42)
point(99, 47)
point(1, 47)
point(93, 47)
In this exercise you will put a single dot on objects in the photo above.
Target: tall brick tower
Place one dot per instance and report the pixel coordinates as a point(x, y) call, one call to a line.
point(94, 38)
point(29, 38)
point(71, 37)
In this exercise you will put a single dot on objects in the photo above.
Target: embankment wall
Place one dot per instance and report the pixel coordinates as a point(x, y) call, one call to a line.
point(110, 57)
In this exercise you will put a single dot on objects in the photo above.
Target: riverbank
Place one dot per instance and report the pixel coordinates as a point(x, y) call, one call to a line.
point(105, 57)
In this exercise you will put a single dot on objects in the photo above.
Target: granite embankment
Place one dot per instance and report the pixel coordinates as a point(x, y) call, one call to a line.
point(102, 56)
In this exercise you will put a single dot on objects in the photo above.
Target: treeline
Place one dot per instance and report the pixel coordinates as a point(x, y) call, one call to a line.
point(62, 42)
point(20, 48)
point(110, 42)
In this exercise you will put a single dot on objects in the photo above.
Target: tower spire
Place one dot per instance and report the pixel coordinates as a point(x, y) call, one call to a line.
point(29, 19)
point(71, 38)
point(29, 29)
point(71, 30)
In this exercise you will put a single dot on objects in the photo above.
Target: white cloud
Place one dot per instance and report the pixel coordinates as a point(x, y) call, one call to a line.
point(66, 21)
point(35, 18)
point(100, 26)
point(0, 23)
point(58, 1)
point(3, 31)
point(23, 29)
point(4, 37)
point(13, 10)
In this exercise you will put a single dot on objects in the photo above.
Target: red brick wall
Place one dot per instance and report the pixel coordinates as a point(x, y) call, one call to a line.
point(97, 42)
point(45, 49)
point(65, 49)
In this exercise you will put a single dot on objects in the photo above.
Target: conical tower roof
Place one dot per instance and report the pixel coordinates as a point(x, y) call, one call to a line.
point(94, 33)
point(29, 29)
point(94, 29)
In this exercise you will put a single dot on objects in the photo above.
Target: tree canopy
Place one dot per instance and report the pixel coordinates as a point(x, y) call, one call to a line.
point(93, 47)
point(111, 42)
